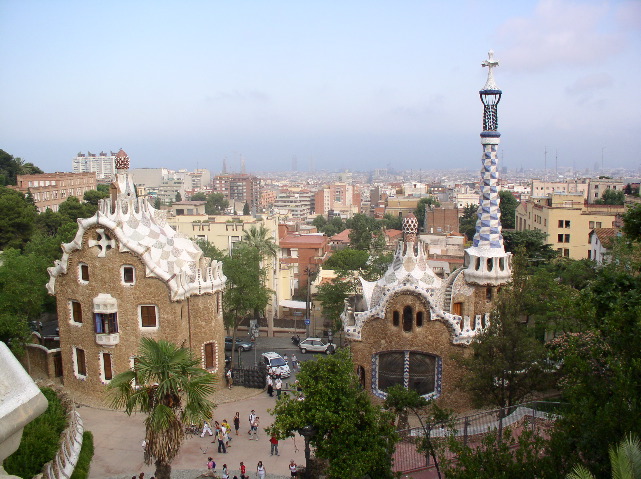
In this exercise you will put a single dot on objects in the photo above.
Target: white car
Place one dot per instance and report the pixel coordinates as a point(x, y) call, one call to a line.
point(316, 345)
point(275, 363)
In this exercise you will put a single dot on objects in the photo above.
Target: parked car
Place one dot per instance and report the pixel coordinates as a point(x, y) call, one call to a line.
point(317, 345)
point(240, 344)
point(275, 363)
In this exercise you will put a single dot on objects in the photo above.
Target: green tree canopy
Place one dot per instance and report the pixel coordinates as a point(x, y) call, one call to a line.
point(354, 435)
point(632, 223)
point(216, 204)
point(347, 259)
point(200, 196)
point(178, 196)
point(365, 232)
point(508, 206)
point(17, 217)
point(611, 197)
point(533, 242)
point(93, 196)
point(167, 385)
point(467, 222)
point(246, 211)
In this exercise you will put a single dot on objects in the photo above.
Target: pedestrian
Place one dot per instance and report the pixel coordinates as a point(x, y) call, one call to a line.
point(270, 386)
point(226, 428)
point(221, 441)
point(274, 442)
point(260, 470)
point(278, 385)
point(294, 362)
point(252, 420)
point(237, 422)
point(286, 359)
point(141, 475)
point(293, 470)
point(206, 428)
point(243, 470)
point(255, 428)
point(230, 378)
point(211, 464)
point(225, 474)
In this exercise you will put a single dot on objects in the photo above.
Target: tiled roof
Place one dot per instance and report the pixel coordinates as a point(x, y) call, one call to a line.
point(342, 237)
point(311, 240)
point(606, 235)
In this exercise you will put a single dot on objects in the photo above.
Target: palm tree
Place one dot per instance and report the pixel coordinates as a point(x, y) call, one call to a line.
point(625, 461)
point(261, 239)
point(167, 385)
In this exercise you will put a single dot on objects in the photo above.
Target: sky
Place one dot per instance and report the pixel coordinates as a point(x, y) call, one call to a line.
point(331, 85)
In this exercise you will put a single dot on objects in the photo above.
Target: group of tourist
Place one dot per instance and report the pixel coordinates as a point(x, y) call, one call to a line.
point(260, 469)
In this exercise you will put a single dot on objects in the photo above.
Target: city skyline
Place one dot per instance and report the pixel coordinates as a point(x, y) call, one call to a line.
point(335, 86)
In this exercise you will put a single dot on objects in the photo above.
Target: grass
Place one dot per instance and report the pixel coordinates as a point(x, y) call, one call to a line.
point(86, 454)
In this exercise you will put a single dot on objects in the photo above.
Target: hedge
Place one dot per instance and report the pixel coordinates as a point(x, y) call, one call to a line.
point(86, 454)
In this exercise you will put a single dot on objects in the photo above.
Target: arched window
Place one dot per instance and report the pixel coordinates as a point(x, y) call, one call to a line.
point(408, 318)
point(418, 371)
point(477, 264)
point(488, 293)
point(419, 319)
point(360, 372)
point(490, 264)
point(396, 318)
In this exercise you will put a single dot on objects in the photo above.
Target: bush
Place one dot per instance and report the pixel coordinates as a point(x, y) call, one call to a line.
point(40, 439)
point(86, 454)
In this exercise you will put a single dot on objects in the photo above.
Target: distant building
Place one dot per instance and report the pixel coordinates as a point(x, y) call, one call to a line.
point(567, 220)
point(239, 187)
point(50, 189)
point(102, 164)
point(341, 198)
point(441, 220)
point(296, 204)
point(304, 254)
point(601, 241)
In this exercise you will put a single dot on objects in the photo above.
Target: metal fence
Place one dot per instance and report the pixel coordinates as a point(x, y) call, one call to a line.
point(250, 377)
point(537, 416)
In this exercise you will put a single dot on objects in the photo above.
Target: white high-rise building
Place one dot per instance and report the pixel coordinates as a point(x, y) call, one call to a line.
point(102, 164)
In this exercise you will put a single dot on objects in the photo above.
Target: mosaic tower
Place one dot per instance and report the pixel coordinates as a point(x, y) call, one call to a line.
point(486, 262)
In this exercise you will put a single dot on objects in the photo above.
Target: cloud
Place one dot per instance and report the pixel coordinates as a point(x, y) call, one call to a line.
point(590, 83)
point(559, 32)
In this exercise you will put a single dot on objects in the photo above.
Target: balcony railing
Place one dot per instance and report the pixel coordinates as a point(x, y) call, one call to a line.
point(108, 340)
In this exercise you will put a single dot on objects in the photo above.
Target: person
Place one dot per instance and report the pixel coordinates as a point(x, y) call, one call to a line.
point(255, 428)
point(211, 464)
point(270, 386)
point(206, 428)
point(286, 358)
point(226, 428)
point(225, 474)
point(260, 470)
point(230, 378)
point(274, 448)
point(220, 435)
point(292, 468)
point(237, 422)
point(294, 362)
point(278, 385)
point(243, 470)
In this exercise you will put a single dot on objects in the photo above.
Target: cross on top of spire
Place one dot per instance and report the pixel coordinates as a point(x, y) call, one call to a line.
point(490, 63)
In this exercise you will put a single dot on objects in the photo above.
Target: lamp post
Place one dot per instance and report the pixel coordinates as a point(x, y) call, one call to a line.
point(307, 432)
point(308, 271)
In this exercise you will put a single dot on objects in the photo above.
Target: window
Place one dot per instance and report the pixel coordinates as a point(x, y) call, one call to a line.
point(559, 238)
point(418, 371)
point(566, 252)
point(84, 272)
point(148, 317)
point(457, 309)
point(396, 318)
point(566, 238)
point(488, 293)
point(209, 356)
point(598, 224)
point(106, 323)
point(567, 223)
point(80, 363)
point(76, 312)
point(408, 318)
point(591, 225)
point(419, 319)
point(106, 366)
point(128, 274)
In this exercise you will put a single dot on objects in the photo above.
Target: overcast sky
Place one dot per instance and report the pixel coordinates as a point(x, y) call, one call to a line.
point(340, 84)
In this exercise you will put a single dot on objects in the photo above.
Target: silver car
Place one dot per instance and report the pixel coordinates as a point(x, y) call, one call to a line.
point(316, 345)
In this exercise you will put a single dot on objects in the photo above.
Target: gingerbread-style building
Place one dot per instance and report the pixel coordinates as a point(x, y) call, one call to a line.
point(408, 327)
point(128, 275)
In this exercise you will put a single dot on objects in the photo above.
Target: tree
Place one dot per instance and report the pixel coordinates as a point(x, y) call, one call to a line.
point(467, 222)
point(200, 196)
point(210, 250)
point(365, 230)
point(332, 295)
point(632, 223)
point(216, 204)
point(506, 362)
point(178, 196)
point(157, 203)
point(402, 402)
point(71, 209)
point(611, 197)
point(93, 196)
point(245, 290)
point(508, 206)
point(17, 217)
point(246, 209)
point(347, 259)
point(355, 436)
point(262, 240)
point(625, 461)
point(533, 242)
point(392, 222)
point(10, 167)
point(422, 205)
point(167, 385)
point(319, 222)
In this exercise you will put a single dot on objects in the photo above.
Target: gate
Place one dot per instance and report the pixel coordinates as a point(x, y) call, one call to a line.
point(250, 377)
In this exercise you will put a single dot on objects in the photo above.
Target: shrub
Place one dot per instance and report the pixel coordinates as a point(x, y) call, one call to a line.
point(40, 439)
point(86, 454)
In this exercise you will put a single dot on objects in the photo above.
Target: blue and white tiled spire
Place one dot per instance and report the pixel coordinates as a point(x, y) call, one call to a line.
point(486, 261)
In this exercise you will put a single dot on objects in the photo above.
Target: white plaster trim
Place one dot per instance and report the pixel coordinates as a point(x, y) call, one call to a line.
point(148, 328)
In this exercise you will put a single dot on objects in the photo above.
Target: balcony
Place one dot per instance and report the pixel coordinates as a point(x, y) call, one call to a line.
point(108, 340)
